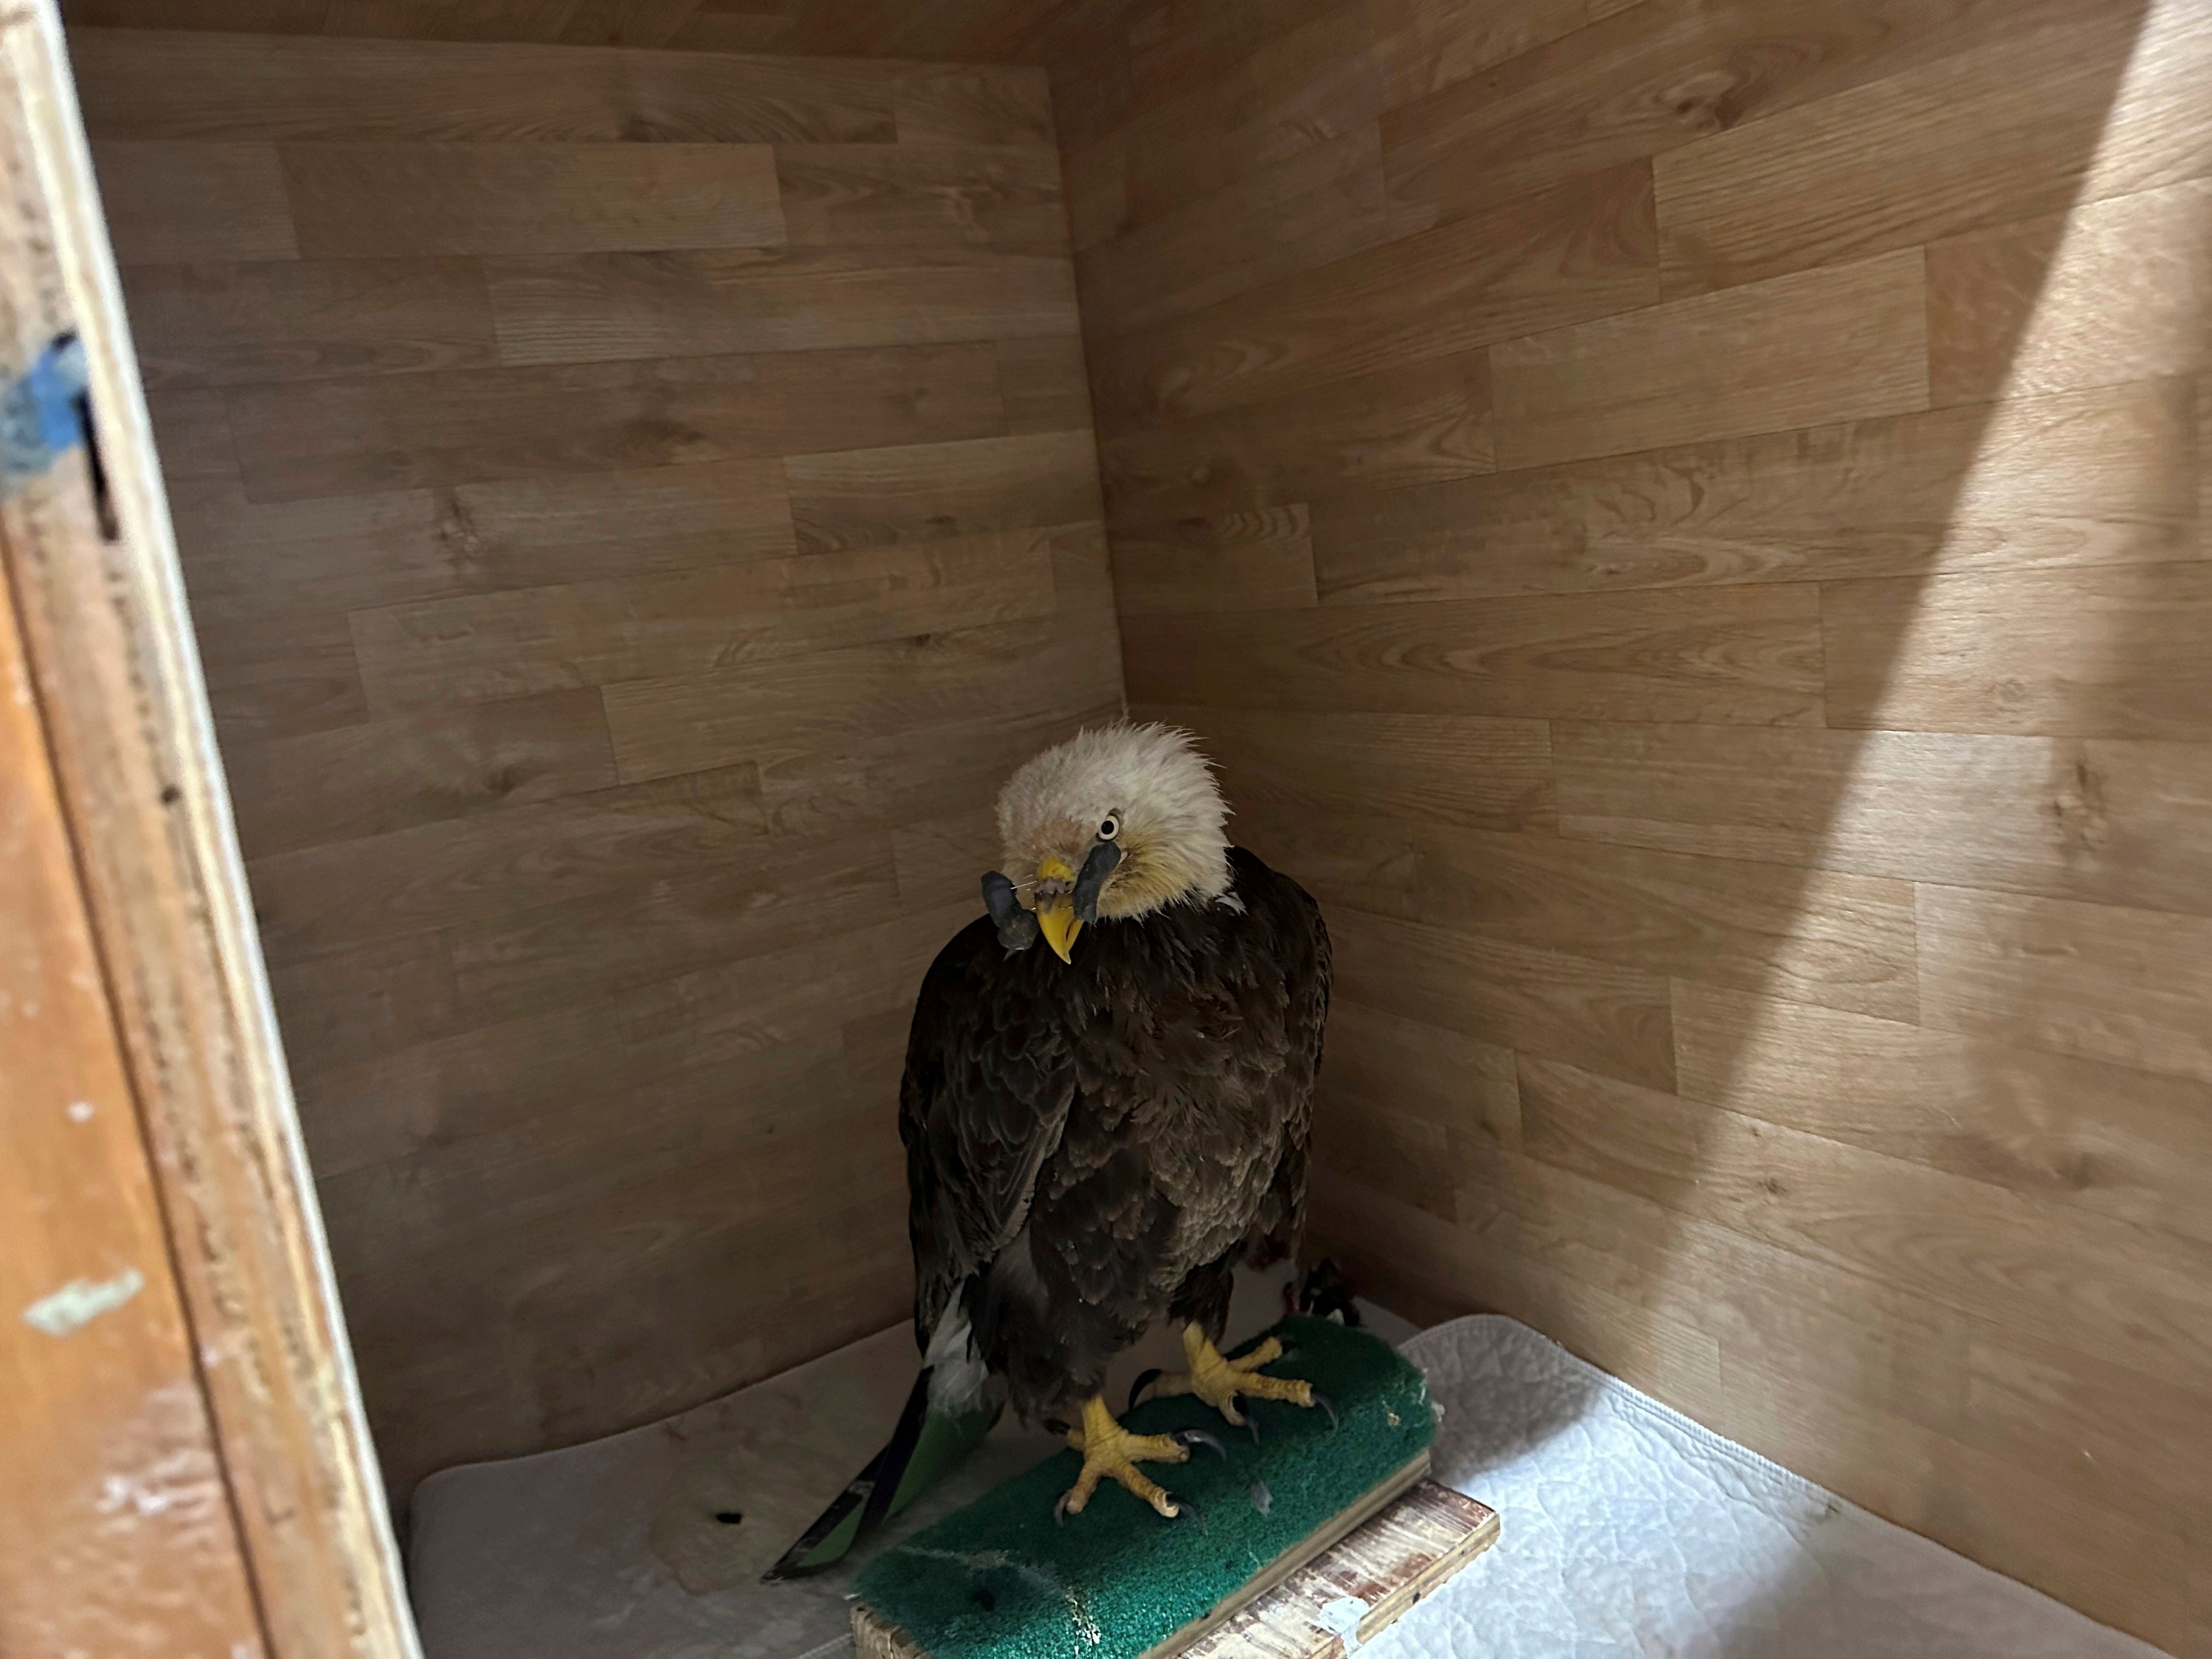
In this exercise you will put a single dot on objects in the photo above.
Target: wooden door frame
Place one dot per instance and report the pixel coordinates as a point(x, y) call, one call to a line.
point(87, 551)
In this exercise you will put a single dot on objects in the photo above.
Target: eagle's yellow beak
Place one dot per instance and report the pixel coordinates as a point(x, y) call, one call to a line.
point(1055, 913)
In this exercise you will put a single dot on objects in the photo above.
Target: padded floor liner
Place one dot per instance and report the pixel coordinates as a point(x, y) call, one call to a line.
point(1627, 1530)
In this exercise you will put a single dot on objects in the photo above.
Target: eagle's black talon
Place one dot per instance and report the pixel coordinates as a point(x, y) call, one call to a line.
point(1059, 1510)
point(1200, 1438)
point(1144, 1380)
point(1252, 1422)
point(1322, 1401)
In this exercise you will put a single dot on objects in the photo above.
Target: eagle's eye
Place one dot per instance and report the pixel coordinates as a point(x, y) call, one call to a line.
point(1110, 828)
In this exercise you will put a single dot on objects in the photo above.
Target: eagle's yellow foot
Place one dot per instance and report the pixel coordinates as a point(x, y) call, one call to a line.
point(1110, 1451)
point(1219, 1381)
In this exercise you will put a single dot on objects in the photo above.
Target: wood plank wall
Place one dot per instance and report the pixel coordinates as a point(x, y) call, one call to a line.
point(1685, 522)
point(961, 31)
point(623, 571)
point(104, 1400)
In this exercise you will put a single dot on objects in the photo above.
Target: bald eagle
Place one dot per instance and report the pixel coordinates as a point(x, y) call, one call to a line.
point(1099, 1131)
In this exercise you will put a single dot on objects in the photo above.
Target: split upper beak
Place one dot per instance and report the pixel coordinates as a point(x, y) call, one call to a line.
point(1055, 910)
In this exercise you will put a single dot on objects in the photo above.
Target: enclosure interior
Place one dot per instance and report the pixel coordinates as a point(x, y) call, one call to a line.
point(1683, 524)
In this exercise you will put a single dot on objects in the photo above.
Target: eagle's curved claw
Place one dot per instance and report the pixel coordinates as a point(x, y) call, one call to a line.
point(1144, 1380)
point(1221, 1382)
point(1327, 1405)
point(1059, 1510)
point(1111, 1452)
point(1200, 1438)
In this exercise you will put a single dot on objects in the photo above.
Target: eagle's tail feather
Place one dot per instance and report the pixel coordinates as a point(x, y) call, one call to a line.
point(926, 1442)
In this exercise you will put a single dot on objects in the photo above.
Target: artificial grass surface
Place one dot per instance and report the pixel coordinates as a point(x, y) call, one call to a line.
point(1000, 1580)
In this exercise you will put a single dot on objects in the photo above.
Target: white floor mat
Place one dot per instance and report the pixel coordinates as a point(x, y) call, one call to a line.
point(1628, 1530)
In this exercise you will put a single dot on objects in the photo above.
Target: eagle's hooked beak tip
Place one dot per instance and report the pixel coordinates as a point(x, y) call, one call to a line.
point(1057, 922)
point(1055, 910)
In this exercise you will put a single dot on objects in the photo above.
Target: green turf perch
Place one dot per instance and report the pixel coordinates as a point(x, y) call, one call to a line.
point(1000, 1579)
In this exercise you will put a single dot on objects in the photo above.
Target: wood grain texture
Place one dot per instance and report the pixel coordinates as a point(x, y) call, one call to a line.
point(1841, 941)
point(186, 84)
point(1591, 1247)
point(1313, 83)
point(2115, 822)
point(523, 961)
point(1878, 523)
point(2020, 1389)
point(1743, 654)
point(1321, 205)
point(230, 324)
point(2087, 477)
point(2105, 653)
point(1533, 1001)
point(345, 437)
point(1425, 45)
point(1956, 143)
point(263, 574)
point(689, 623)
point(592, 307)
point(912, 194)
point(873, 497)
point(273, 16)
point(362, 1000)
point(1402, 427)
point(2100, 980)
point(2132, 1295)
point(1231, 562)
point(2115, 291)
point(479, 867)
point(359, 201)
point(630, 547)
point(2125, 1143)
point(1467, 770)
point(389, 774)
point(529, 531)
point(95, 1396)
point(1043, 383)
point(1634, 85)
point(1552, 258)
point(1467, 1086)
point(973, 103)
point(669, 725)
point(1799, 350)
point(247, 561)
point(153, 195)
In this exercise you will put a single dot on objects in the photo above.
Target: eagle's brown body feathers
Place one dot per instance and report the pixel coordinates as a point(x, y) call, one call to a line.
point(1094, 1144)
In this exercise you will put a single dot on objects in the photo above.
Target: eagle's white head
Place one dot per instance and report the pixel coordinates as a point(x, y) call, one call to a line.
point(1115, 823)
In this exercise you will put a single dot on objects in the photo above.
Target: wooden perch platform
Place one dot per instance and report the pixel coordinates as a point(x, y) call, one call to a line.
point(1321, 1521)
point(1363, 1582)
